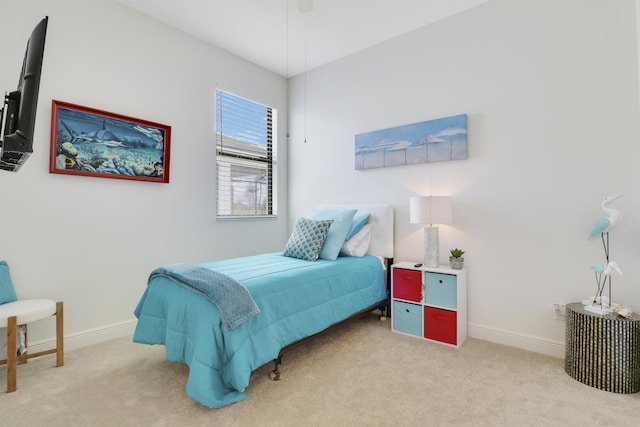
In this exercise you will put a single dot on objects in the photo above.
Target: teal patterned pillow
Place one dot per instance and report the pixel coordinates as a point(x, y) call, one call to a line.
point(307, 238)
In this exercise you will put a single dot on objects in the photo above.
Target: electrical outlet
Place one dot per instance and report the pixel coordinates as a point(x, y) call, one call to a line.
point(559, 311)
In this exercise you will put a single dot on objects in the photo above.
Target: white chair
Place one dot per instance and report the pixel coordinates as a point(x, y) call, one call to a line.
point(19, 313)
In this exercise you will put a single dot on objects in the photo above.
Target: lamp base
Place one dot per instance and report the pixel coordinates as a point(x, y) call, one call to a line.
point(431, 247)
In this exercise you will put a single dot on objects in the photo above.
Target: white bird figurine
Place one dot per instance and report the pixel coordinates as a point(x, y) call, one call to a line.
point(603, 271)
point(613, 217)
point(607, 269)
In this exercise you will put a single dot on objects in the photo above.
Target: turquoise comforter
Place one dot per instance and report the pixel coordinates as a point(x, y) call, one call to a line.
point(296, 299)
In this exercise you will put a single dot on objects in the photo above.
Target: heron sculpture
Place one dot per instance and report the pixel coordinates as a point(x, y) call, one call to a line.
point(603, 271)
point(610, 220)
point(602, 227)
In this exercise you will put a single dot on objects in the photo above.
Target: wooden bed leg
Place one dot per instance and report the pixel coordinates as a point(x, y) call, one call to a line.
point(275, 374)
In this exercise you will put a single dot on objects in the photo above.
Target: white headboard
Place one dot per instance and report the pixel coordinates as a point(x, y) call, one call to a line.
point(381, 216)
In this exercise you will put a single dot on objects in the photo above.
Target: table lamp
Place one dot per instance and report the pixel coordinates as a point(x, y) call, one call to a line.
point(431, 210)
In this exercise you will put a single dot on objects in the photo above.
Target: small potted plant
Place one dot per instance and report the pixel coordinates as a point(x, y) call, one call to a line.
point(456, 260)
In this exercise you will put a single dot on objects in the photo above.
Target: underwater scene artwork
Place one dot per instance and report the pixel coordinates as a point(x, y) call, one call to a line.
point(86, 141)
point(424, 142)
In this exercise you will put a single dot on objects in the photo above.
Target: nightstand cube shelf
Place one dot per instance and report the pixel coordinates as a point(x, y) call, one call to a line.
point(430, 303)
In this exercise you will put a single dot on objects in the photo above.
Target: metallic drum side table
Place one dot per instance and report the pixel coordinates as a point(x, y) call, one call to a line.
point(603, 351)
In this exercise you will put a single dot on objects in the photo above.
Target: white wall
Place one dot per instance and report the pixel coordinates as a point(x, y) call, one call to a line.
point(551, 90)
point(92, 242)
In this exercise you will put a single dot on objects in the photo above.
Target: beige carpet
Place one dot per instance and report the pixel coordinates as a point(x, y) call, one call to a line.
point(361, 375)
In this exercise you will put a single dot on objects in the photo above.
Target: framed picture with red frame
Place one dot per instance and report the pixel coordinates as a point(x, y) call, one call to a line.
point(90, 142)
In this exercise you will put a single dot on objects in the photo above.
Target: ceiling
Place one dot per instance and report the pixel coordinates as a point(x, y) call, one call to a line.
point(280, 36)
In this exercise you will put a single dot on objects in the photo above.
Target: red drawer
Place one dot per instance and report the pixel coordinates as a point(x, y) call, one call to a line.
point(407, 284)
point(440, 325)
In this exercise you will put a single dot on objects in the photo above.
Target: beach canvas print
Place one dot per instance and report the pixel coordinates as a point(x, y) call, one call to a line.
point(437, 140)
point(90, 142)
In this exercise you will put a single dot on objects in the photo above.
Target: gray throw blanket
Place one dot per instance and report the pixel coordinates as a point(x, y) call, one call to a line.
point(230, 296)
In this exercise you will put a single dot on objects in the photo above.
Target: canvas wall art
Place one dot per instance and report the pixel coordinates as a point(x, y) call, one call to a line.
point(90, 142)
point(437, 140)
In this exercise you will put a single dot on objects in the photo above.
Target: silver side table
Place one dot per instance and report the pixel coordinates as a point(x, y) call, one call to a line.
point(603, 351)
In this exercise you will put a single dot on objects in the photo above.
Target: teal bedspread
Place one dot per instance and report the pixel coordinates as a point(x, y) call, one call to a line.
point(296, 299)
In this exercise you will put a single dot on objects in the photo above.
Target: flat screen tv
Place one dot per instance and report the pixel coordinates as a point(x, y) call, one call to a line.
point(19, 107)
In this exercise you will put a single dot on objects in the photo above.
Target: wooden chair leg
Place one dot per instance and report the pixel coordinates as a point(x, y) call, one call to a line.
point(11, 354)
point(59, 334)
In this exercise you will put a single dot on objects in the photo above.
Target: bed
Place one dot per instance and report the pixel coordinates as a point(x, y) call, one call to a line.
point(262, 305)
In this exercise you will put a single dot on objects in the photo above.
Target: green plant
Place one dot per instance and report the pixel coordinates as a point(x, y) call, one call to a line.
point(457, 253)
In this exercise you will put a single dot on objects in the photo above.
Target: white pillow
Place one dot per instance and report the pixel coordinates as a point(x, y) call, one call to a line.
point(359, 243)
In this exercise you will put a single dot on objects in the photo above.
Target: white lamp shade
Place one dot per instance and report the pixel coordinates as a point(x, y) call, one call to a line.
point(431, 210)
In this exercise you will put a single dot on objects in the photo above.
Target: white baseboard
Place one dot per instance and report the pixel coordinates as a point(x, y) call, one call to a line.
point(525, 342)
point(88, 337)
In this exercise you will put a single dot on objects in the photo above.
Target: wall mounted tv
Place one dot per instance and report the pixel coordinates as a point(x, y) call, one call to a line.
point(19, 107)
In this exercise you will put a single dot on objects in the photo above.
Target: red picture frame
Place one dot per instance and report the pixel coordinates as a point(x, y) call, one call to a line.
point(91, 142)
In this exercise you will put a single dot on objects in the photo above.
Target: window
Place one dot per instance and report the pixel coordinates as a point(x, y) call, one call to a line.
point(245, 157)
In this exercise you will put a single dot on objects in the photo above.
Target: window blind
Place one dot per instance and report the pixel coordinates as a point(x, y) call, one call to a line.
point(245, 157)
